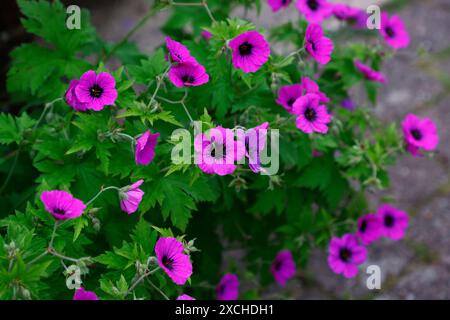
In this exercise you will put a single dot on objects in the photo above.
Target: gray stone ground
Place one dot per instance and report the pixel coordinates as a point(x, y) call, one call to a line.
point(419, 266)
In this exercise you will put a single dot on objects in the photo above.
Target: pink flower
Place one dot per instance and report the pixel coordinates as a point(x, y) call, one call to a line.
point(278, 4)
point(310, 86)
point(315, 11)
point(345, 254)
point(393, 31)
point(71, 97)
point(317, 45)
point(82, 294)
point(96, 91)
point(206, 35)
point(369, 73)
point(178, 52)
point(145, 148)
point(250, 51)
point(283, 268)
point(173, 260)
point(188, 75)
point(311, 115)
point(255, 142)
point(345, 12)
point(347, 104)
point(185, 297)
point(419, 133)
point(394, 222)
point(131, 196)
point(228, 287)
point(216, 152)
point(369, 228)
point(62, 205)
point(287, 95)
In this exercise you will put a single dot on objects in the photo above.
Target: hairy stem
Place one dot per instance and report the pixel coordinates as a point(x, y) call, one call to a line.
point(100, 192)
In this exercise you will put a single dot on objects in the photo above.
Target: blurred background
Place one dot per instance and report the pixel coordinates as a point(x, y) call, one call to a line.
point(418, 82)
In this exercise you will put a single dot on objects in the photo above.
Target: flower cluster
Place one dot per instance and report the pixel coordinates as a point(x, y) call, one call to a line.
point(185, 71)
point(392, 29)
point(306, 102)
point(349, 251)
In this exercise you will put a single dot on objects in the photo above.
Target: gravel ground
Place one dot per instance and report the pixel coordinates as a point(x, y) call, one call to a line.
point(419, 266)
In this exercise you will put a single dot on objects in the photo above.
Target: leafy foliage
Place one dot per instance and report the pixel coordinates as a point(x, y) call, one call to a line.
point(310, 199)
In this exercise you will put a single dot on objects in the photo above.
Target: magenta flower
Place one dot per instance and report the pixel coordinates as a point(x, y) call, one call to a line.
point(369, 228)
point(96, 90)
point(250, 51)
point(206, 35)
point(145, 148)
point(347, 104)
point(216, 152)
point(178, 52)
point(369, 73)
point(393, 31)
point(345, 254)
point(345, 12)
point(283, 268)
point(188, 75)
point(310, 86)
point(315, 11)
point(71, 97)
point(185, 297)
point(278, 4)
point(255, 142)
point(228, 287)
point(130, 197)
point(62, 205)
point(287, 95)
point(394, 222)
point(419, 134)
point(311, 115)
point(317, 45)
point(173, 260)
point(82, 294)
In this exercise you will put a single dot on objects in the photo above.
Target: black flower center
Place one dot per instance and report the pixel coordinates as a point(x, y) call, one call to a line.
point(187, 78)
point(278, 265)
point(363, 226)
point(416, 134)
point(390, 32)
point(59, 211)
point(310, 114)
point(95, 91)
point(245, 49)
point(218, 151)
point(389, 220)
point(313, 5)
point(345, 254)
point(291, 102)
point(167, 262)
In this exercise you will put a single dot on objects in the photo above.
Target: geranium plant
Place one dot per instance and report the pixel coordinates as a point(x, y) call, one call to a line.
point(94, 205)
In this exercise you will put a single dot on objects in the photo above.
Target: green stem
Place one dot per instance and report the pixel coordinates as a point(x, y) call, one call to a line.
point(100, 192)
point(157, 289)
point(158, 85)
point(11, 171)
point(140, 279)
point(46, 107)
point(203, 3)
point(130, 33)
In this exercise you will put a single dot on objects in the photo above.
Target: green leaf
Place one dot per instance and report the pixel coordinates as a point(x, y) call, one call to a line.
point(149, 68)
